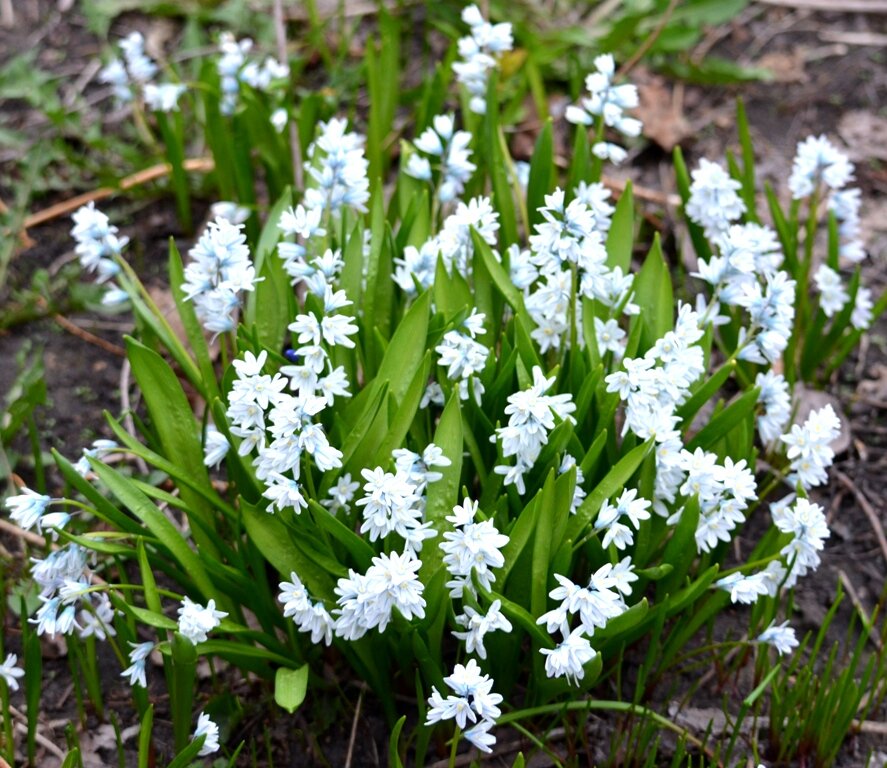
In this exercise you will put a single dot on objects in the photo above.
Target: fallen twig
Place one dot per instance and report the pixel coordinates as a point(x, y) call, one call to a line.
point(353, 736)
point(867, 508)
point(88, 337)
point(194, 165)
point(838, 6)
point(860, 609)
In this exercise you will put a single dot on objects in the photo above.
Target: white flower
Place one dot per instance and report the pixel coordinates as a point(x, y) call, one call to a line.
point(817, 159)
point(569, 657)
point(207, 728)
point(215, 447)
point(862, 309)
point(713, 202)
point(479, 53)
point(472, 699)
point(10, 672)
point(833, 295)
point(478, 624)
point(137, 657)
point(607, 100)
point(27, 508)
point(781, 637)
point(195, 620)
point(809, 446)
point(164, 97)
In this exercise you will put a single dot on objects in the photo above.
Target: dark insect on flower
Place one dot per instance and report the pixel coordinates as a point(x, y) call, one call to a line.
point(291, 355)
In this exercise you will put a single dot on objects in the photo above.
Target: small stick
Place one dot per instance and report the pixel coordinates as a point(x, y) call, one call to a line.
point(20, 533)
point(353, 736)
point(648, 43)
point(843, 6)
point(867, 508)
point(857, 603)
point(22, 728)
point(88, 337)
point(195, 165)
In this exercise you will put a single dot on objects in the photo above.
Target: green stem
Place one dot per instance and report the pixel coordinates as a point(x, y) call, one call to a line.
point(455, 746)
point(610, 706)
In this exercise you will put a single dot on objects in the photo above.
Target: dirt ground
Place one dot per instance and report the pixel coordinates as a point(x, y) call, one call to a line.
point(830, 77)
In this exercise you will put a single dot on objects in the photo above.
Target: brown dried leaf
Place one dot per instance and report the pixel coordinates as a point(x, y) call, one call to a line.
point(865, 135)
point(785, 66)
point(663, 120)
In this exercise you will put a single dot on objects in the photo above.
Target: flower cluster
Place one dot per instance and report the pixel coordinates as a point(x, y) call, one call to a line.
point(809, 447)
point(714, 202)
point(531, 415)
point(234, 67)
point(471, 550)
point(464, 357)
point(480, 53)
point(451, 147)
point(196, 621)
point(64, 580)
point(338, 169)
point(596, 604)
point(258, 408)
point(606, 102)
point(127, 75)
point(97, 245)
point(220, 270)
point(472, 699)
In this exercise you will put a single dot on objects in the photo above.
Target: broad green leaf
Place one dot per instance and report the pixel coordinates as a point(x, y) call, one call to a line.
point(680, 551)
point(653, 294)
point(497, 272)
point(721, 424)
point(275, 542)
point(158, 524)
point(541, 173)
point(394, 760)
point(174, 422)
point(547, 515)
point(620, 238)
point(442, 495)
point(357, 547)
point(612, 483)
point(290, 687)
point(406, 350)
point(452, 294)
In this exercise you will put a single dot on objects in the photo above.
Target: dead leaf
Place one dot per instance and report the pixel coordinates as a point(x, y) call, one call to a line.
point(95, 740)
point(874, 388)
point(865, 135)
point(785, 66)
point(664, 122)
point(809, 400)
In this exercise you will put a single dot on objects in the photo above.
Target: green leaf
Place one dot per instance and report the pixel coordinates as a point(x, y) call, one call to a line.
point(147, 727)
point(523, 618)
point(653, 294)
point(177, 430)
point(190, 323)
point(624, 621)
point(541, 173)
point(357, 547)
point(719, 426)
point(498, 164)
point(620, 238)
point(394, 760)
point(501, 279)
point(159, 525)
point(442, 495)
point(275, 542)
point(612, 483)
point(680, 552)
point(405, 353)
point(290, 687)
point(547, 515)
